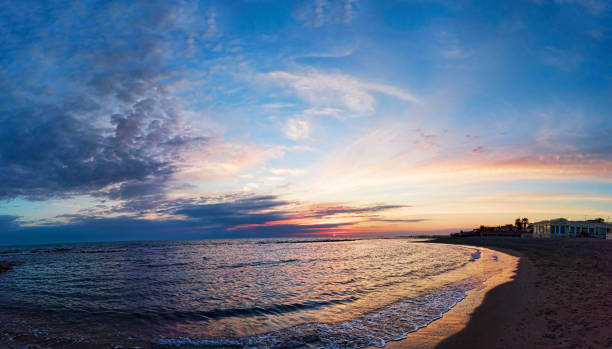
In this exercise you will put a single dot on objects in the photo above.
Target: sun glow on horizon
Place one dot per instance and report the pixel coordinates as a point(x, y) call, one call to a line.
point(162, 120)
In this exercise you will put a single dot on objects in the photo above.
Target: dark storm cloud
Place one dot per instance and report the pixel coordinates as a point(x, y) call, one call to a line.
point(248, 211)
point(83, 105)
point(288, 230)
point(83, 229)
point(238, 212)
point(47, 153)
point(223, 217)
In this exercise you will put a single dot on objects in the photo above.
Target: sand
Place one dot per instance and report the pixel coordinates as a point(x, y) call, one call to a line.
point(496, 268)
point(561, 297)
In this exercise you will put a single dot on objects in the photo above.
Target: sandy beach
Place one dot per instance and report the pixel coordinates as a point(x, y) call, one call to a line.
point(496, 268)
point(561, 297)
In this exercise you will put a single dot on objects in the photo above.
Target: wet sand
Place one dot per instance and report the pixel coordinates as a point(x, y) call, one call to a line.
point(498, 268)
point(561, 297)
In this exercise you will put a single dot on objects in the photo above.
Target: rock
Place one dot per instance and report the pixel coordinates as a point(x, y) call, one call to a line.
point(6, 266)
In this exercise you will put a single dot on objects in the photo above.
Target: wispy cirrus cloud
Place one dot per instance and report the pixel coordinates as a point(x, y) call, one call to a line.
point(134, 111)
point(327, 210)
point(222, 159)
point(330, 93)
point(287, 172)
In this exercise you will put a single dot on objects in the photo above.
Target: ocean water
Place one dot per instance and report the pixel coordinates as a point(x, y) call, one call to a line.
point(228, 293)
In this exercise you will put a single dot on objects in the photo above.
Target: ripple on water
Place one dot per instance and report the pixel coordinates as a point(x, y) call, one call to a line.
point(376, 328)
point(227, 292)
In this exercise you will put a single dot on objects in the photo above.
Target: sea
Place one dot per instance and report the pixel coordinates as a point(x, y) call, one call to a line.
point(238, 293)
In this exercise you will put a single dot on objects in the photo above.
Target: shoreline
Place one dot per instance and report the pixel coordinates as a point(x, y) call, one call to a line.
point(497, 311)
point(560, 298)
point(455, 319)
point(558, 294)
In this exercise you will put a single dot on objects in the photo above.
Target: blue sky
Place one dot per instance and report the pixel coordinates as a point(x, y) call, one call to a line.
point(187, 119)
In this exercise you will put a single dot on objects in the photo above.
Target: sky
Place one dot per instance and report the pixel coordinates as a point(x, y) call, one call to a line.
point(219, 119)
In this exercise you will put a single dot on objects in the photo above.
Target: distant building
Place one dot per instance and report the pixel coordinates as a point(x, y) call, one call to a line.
point(561, 227)
point(508, 230)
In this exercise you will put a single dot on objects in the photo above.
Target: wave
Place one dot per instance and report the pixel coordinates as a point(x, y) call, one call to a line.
point(373, 329)
point(178, 264)
point(37, 250)
point(163, 315)
point(275, 309)
point(105, 250)
point(308, 260)
point(179, 342)
point(13, 252)
point(303, 241)
point(150, 249)
point(257, 264)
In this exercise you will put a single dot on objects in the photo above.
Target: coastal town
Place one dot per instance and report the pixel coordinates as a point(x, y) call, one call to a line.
point(553, 228)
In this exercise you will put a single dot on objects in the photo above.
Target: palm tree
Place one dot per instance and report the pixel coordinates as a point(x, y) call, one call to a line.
point(518, 223)
point(525, 222)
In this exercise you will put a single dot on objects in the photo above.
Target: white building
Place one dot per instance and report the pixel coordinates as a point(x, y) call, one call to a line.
point(561, 227)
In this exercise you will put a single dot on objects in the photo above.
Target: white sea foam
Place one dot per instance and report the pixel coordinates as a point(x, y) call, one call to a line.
point(391, 323)
point(216, 285)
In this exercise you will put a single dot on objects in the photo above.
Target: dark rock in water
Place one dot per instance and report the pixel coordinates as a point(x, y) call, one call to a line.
point(6, 266)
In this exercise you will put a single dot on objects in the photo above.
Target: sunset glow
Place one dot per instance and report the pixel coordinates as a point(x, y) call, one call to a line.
point(184, 120)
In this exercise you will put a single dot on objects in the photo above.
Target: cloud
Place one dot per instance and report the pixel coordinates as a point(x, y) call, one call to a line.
point(235, 211)
point(250, 187)
point(451, 47)
point(211, 23)
point(333, 112)
point(85, 228)
point(8, 222)
point(297, 129)
point(424, 141)
point(276, 106)
point(92, 117)
point(287, 172)
point(237, 215)
point(320, 12)
point(321, 211)
point(334, 52)
point(337, 91)
point(478, 150)
point(224, 159)
point(416, 220)
point(47, 152)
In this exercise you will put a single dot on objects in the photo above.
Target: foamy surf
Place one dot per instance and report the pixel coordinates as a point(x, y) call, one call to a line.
point(391, 323)
point(230, 293)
